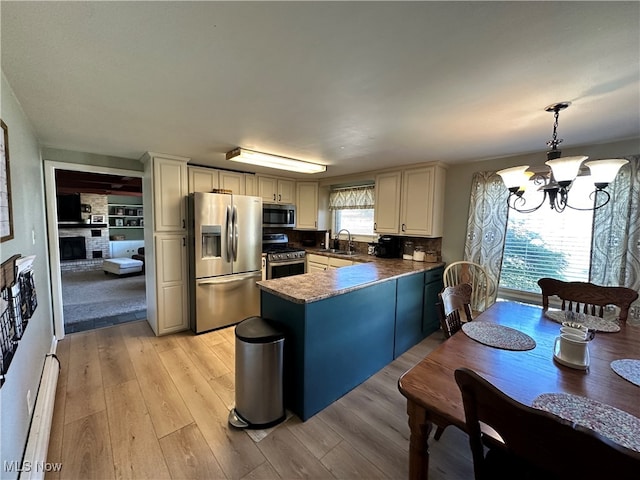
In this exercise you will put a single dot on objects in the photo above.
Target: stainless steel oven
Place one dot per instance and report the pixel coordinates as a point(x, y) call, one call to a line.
point(282, 260)
point(284, 268)
point(278, 215)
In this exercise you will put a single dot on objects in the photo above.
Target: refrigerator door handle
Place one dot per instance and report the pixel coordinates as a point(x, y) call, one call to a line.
point(235, 233)
point(229, 232)
point(227, 279)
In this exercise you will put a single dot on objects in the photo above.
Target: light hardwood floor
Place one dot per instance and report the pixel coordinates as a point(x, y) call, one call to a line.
point(132, 405)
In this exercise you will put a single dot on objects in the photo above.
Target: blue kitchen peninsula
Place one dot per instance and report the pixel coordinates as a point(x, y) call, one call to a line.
point(341, 326)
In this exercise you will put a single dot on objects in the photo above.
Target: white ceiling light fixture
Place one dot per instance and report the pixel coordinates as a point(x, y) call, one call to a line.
point(564, 170)
point(274, 161)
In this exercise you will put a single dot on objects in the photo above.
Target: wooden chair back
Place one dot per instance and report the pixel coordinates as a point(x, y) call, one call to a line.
point(587, 297)
point(454, 301)
point(475, 275)
point(550, 445)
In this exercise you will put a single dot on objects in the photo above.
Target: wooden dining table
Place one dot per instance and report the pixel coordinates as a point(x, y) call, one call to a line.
point(433, 397)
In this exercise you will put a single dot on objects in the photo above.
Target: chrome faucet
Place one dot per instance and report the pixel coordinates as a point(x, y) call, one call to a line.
point(349, 245)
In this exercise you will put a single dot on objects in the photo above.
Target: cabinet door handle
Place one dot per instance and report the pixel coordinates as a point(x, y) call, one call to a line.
point(184, 242)
point(375, 226)
point(183, 223)
point(315, 224)
point(274, 197)
point(404, 227)
point(279, 197)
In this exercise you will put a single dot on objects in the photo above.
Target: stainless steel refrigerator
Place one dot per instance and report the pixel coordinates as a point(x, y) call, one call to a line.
point(226, 250)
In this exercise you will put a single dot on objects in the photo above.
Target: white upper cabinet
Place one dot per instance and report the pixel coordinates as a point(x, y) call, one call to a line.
point(276, 190)
point(170, 186)
point(250, 184)
point(422, 201)
point(202, 179)
point(411, 202)
point(286, 191)
point(387, 209)
point(233, 181)
point(307, 205)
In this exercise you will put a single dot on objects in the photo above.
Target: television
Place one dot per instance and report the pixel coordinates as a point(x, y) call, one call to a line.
point(69, 208)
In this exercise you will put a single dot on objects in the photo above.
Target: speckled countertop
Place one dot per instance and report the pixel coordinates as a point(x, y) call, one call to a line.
point(311, 287)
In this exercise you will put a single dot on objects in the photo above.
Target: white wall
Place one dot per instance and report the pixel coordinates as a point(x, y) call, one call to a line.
point(27, 189)
point(458, 189)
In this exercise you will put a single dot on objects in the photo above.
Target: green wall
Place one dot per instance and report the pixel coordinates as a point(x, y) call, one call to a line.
point(83, 158)
point(30, 238)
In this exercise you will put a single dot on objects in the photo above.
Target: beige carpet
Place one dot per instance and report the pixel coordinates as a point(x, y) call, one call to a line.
point(93, 295)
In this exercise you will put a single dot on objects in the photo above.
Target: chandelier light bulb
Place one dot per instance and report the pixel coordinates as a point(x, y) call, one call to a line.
point(604, 171)
point(514, 177)
point(565, 169)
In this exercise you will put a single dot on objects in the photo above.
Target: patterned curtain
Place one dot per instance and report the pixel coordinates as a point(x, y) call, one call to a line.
point(487, 226)
point(615, 250)
point(352, 197)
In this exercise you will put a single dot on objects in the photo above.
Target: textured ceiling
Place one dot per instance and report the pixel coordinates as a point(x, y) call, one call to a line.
point(354, 85)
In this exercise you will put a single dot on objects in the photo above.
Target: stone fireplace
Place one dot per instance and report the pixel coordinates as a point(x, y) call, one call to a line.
point(73, 248)
point(82, 248)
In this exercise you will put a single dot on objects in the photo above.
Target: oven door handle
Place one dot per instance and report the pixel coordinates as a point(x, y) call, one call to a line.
point(278, 263)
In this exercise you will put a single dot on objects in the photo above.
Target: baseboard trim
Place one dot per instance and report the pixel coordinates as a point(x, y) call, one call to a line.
point(38, 439)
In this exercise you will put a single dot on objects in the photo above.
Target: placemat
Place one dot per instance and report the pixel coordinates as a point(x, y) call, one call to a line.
point(498, 336)
point(608, 421)
point(593, 323)
point(627, 368)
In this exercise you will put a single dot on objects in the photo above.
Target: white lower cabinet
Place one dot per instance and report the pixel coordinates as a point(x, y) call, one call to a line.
point(339, 262)
point(172, 280)
point(318, 263)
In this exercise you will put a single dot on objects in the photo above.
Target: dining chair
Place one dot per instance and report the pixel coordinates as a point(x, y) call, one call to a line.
point(527, 443)
point(469, 272)
point(587, 297)
point(453, 301)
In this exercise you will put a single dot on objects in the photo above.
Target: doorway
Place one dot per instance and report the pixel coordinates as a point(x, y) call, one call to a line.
point(85, 229)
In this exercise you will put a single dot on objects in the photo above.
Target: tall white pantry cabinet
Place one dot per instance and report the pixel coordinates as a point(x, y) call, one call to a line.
point(165, 186)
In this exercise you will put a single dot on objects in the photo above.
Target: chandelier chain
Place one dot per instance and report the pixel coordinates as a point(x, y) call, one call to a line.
point(555, 141)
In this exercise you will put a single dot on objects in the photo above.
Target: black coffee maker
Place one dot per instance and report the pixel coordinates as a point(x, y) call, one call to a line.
point(388, 247)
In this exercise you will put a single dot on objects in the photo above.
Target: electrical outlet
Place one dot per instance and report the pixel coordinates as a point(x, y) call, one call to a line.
point(29, 402)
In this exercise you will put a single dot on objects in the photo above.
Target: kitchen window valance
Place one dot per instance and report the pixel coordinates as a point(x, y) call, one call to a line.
point(352, 198)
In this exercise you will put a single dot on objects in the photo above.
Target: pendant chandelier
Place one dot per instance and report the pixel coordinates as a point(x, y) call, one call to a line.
point(556, 184)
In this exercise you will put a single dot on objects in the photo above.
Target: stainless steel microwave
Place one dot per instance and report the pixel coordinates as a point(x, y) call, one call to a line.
point(275, 215)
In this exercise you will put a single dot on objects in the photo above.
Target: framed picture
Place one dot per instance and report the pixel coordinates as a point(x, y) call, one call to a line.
point(139, 212)
point(97, 218)
point(120, 211)
point(6, 214)
point(119, 222)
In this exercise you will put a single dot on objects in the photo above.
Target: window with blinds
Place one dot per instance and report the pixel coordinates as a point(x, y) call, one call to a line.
point(546, 243)
point(352, 209)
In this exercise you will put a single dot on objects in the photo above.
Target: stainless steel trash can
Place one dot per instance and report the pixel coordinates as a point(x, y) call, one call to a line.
point(259, 388)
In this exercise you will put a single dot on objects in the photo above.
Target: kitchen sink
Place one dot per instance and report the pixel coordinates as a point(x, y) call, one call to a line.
point(337, 252)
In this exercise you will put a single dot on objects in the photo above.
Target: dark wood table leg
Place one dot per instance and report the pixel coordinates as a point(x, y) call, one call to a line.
point(418, 442)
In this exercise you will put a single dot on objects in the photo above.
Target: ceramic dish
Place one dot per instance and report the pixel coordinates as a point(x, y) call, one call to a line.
point(567, 363)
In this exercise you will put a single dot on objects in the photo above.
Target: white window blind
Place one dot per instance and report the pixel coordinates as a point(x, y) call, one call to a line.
point(352, 197)
point(353, 209)
point(546, 243)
